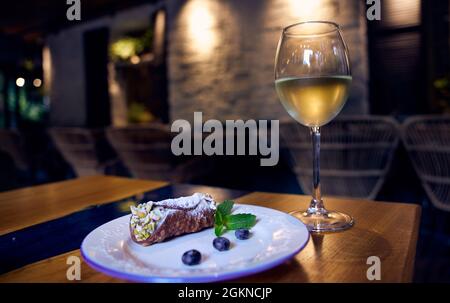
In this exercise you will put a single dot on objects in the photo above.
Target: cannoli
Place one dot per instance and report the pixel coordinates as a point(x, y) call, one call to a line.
point(154, 222)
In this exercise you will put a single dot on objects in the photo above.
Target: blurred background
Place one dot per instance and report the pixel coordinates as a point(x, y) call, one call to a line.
point(97, 96)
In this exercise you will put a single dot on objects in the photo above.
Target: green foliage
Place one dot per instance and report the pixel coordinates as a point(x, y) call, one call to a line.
point(138, 113)
point(125, 48)
point(224, 220)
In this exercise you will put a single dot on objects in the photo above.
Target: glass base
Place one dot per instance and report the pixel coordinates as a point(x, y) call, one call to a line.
point(330, 221)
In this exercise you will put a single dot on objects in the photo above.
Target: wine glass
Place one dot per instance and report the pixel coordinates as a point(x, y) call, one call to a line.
point(312, 80)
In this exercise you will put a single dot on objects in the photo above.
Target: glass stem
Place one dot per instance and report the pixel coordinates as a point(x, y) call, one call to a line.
point(316, 206)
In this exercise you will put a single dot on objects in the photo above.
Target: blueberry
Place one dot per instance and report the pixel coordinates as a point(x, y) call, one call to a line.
point(221, 243)
point(191, 257)
point(242, 234)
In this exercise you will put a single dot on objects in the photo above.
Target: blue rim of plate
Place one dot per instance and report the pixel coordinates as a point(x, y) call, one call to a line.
point(199, 279)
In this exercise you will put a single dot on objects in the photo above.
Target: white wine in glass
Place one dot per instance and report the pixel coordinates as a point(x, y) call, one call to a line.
point(312, 80)
point(313, 101)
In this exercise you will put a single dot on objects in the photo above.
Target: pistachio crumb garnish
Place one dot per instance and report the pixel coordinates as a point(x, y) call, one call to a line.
point(144, 219)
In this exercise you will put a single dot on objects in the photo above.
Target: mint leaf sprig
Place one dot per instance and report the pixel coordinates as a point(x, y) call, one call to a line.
point(224, 220)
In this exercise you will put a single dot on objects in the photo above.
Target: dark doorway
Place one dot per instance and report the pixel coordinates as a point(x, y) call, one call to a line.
point(96, 75)
point(397, 60)
point(435, 16)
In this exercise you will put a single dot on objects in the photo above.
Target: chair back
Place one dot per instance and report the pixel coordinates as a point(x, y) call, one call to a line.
point(86, 150)
point(11, 143)
point(427, 140)
point(145, 150)
point(356, 154)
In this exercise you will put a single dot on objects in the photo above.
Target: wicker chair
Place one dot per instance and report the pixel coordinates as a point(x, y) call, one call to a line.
point(356, 154)
point(86, 150)
point(146, 152)
point(11, 143)
point(427, 140)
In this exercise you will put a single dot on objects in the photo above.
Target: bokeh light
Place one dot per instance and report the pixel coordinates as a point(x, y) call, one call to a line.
point(20, 82)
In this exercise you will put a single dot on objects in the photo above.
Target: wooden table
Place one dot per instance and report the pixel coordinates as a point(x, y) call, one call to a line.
point(386, 230)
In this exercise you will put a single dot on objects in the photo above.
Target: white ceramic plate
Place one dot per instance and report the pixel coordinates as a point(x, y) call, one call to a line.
point(275, 238)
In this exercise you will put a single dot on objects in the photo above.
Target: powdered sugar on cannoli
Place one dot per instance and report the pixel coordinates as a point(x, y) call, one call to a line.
point(188, 202)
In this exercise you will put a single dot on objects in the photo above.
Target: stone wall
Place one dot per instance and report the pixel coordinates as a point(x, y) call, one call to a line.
point(221, 54)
